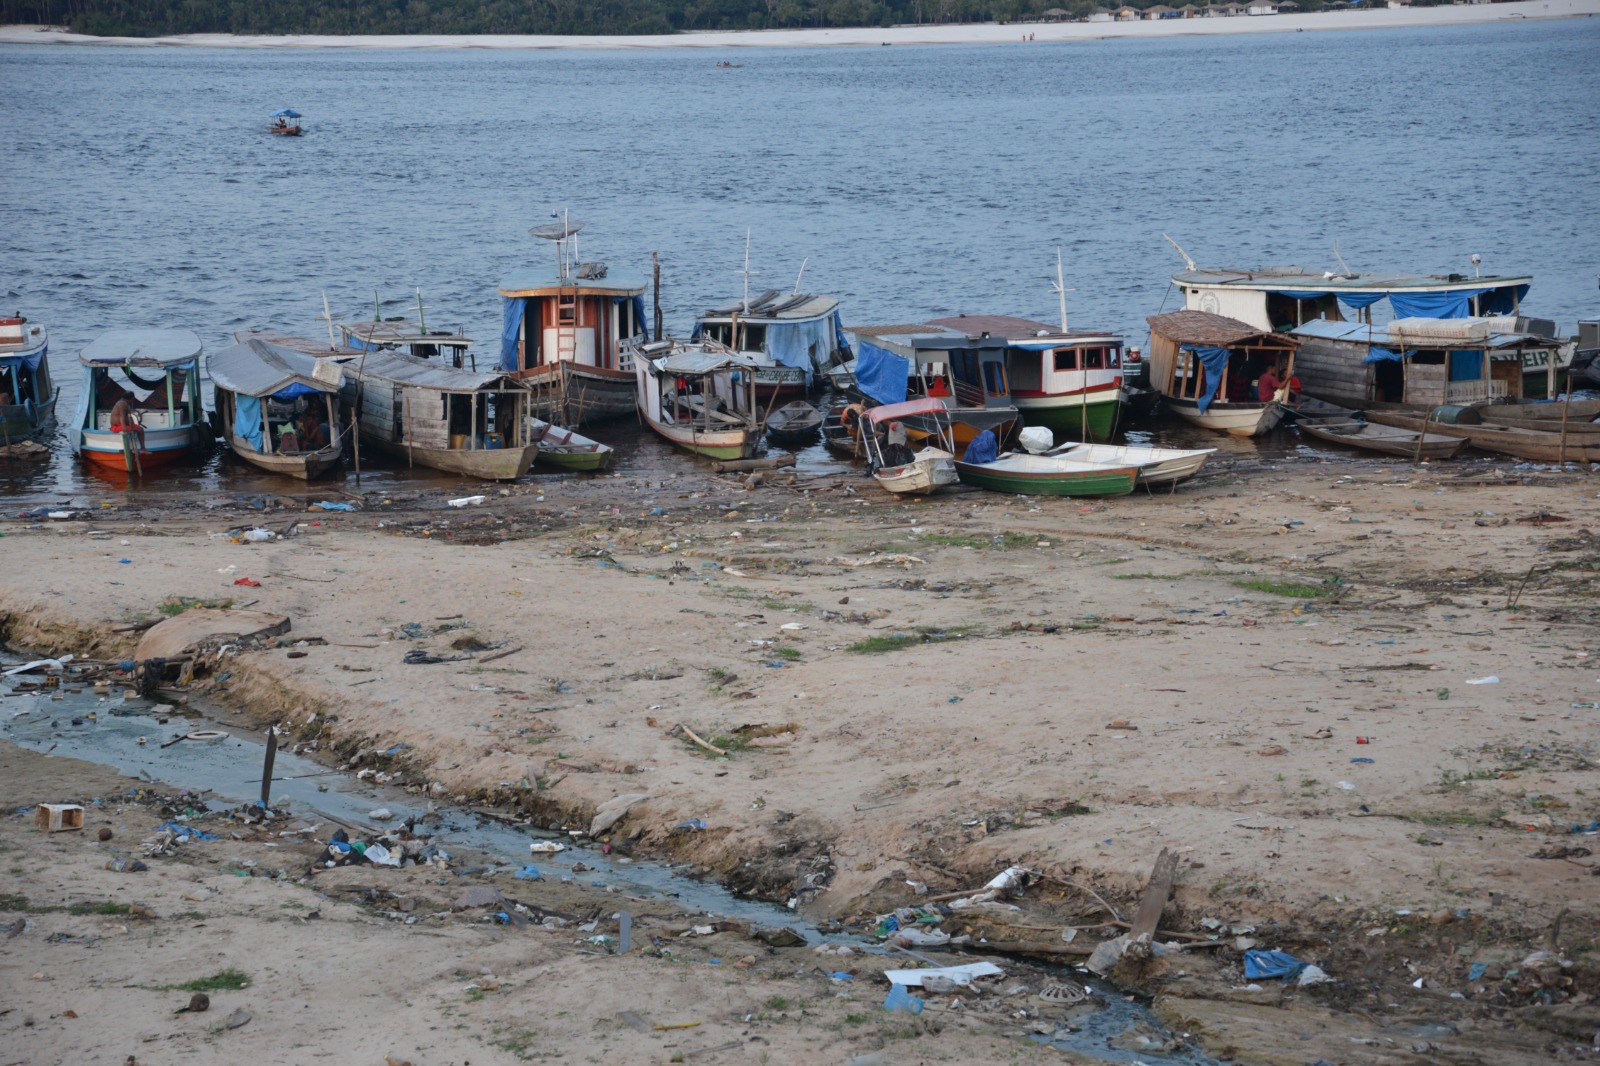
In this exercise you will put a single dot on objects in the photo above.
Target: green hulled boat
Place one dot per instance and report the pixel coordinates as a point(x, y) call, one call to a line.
point(1045, 475)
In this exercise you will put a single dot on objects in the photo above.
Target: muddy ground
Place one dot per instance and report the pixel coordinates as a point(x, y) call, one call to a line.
point(912, 696)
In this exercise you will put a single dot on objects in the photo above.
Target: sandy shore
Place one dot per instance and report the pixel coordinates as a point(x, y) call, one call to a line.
point(988, 33)
point(956, 685)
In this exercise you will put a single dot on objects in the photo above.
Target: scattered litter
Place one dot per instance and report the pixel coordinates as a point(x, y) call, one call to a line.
point(899, 999)
point(528, 873)
point(1477, 971)
point(961, 975)
point(238, 1019)
point(546, 847)
point(334, 506)
point(248, 582)
point(1347, 786)
point(1359, 758)
point(1490, 680)
point(382, 814)
point(1260, 964)
point(467, 501)
point(58, 817)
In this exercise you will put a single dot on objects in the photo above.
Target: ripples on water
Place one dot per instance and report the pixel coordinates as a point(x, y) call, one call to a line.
point(140, 188)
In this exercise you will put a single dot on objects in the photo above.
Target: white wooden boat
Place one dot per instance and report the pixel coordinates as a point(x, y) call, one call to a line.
point(263, 393)
point(895, 466)
point(27, 395)
point(1234, 419)
point(1207, 367)
point(699, 396)
point(1157, 466)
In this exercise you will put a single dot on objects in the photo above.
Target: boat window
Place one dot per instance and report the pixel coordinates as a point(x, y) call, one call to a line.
point(1066, 359)
point(1428, 358)
point(1093, 358)
point(753, 339)
point(994, 379)
point(1113, 358)
point(716, 333)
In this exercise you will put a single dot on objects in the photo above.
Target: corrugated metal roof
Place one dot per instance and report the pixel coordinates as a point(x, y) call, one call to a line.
point(1201, 327)
point(543, 281)
point(1017, 329)
point(778, 307)
point(142, 347)
point(696, 359)
point(1329, 330)
point(1300, 279)
point(425, 373)
point(258, 368)
point(401, 331)
point(1416, 336)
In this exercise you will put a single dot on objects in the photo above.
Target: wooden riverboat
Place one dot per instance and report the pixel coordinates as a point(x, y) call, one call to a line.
point(567, 449)
point(1376, 437)
point(699, 396)
point(27, 395)
point(263, 394)
point(157, 371)
point(1537, 445)
point(794, 424)
point(1206, 368)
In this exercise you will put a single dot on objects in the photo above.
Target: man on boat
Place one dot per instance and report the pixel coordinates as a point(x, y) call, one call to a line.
point(1268, 384)
point(312, 433)
point(123, 420)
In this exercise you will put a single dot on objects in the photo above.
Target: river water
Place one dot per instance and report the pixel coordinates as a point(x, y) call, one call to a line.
point(139, 185)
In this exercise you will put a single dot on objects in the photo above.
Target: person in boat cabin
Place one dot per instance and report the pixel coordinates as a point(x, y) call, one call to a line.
point(1291, 387)
point(1268, 384)
point(939, 389)
point(123, 420)
point(312, 433)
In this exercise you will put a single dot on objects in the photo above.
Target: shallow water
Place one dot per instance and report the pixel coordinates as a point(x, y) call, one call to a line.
point(140, 187)
point(229, 771)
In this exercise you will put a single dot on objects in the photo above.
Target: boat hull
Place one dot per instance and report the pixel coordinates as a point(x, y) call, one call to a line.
point(1532, 444)
point(931, 469)
point(571, 394)
point(1234, 419)
point(1386, 439)
point(24, 420)
point(1099, 411)
point(780, 381)
point(1103, 481)
point(490, 464)
point(305, 467)
point(1157, 466)
point(722, 444)
point(162, 447)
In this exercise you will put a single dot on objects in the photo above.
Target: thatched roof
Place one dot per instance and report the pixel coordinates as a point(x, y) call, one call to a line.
point(1201, 327)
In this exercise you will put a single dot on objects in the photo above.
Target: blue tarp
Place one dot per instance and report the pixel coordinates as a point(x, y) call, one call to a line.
point(1293, 295)
point(1378, 354)
point(1504, 301)
point(983, 449)
point(840, 342)
point(290, 391)
point(1466, 365)
point(1215, 360)
point(1358, 300)
point(791, 343)
point(31, 360)
point(1457, 304)
point(881, 375)
point(287, 112)
point(640, 323)
point(247, 419)
point(511, 331)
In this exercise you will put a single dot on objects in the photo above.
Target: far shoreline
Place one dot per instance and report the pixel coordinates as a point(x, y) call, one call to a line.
point(969, 33)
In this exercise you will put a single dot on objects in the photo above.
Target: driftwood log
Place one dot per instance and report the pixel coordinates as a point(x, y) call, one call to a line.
point(732, 466)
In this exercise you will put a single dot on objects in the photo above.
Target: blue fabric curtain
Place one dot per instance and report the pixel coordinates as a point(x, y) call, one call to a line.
point(1359, 300)
point(31, 360)
point(641, 323)
point(289, 392)
point(1466, 365)
point(247, 419)
point(791, 344)
point(840, 341)
point(1215, 360)
point(511, 331)
point(1291, 294)
point(881, 375)
point(1503, 301)
point(1378, 354)
point(1456, 304)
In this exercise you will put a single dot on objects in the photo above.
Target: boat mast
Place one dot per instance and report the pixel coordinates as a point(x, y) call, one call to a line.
point(800, 275)
point(1061, 290)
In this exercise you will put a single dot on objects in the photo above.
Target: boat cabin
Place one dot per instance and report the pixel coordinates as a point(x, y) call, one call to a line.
point(27, 395)
point(1280, 298)
point(411, 337)
point(570, 311)
point(1423, 362)
point(1211, 361)
point(265, 393)
point(796, 330)
point(157, 371)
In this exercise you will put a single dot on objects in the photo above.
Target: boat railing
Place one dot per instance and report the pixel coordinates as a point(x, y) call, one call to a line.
point(1464, 392)
point(970, 395)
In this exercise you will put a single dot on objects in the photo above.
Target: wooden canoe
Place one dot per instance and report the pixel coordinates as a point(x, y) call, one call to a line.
point(793, 423)
point(1537, 445)
point(1379, 438)
point(1545, 417)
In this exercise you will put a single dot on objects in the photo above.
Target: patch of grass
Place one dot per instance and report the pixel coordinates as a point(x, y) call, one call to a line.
point(229, 980)
point(789, 653)
point(1145, 576)
point(777, 1003)
point(173, 606)
point(954, 540)
point(1294, 589)
point(98, 908)
point(1452, 817)
point(897, 641)
point(855, 1019)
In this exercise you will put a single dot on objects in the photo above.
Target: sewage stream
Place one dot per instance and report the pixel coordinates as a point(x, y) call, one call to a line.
point(229, 772)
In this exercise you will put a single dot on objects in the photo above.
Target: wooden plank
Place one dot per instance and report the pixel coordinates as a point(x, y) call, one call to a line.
point(1156, 894)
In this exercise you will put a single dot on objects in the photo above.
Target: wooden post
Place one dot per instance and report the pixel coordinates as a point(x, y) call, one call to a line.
point(1566, 406)
point(655, 264)
point(410, 456)
point(1417, 458)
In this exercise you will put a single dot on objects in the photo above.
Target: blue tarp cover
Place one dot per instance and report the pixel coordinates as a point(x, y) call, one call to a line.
point(1294, 295)
point(881, 375)
point(1378, 354)
point(791, 343)
point(841, 343)
point(247, 419)
point(511, 331)
point(1358, 300)
point(983, 449)
point(31, 360)
point(1457, 304)
point(1215, 360)
point(1466, 365)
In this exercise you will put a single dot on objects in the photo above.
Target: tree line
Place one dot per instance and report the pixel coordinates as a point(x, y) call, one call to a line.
point(154, 18)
